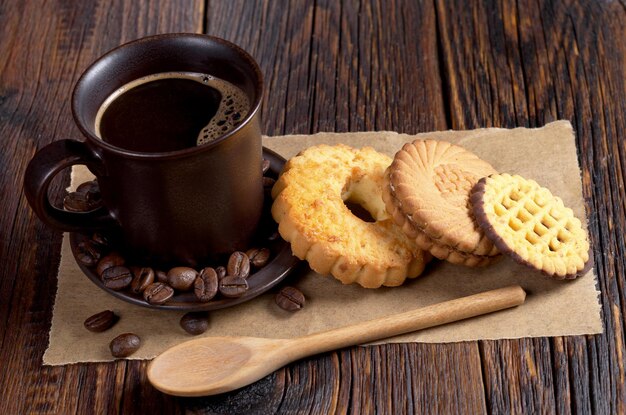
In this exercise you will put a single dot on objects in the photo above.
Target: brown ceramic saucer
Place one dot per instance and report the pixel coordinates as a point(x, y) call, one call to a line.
point(281, 264)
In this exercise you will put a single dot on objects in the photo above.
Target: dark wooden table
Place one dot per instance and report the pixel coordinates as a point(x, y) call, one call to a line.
point(408, 66)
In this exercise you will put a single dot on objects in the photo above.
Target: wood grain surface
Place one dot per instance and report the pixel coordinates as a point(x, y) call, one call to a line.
point(409, 66)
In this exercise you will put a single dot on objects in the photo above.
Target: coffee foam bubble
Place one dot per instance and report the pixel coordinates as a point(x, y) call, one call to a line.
point(233, 108)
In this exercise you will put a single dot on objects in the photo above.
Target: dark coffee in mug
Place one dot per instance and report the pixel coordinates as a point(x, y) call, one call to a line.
point(170, 111)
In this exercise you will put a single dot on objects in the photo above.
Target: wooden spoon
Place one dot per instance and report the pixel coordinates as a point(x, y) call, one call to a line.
point(211, 365)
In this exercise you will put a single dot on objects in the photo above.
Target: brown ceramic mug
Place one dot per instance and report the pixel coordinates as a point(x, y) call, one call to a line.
point(178, 207)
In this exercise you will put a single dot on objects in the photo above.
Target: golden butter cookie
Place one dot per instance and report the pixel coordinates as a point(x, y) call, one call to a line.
point(527, 222)
point(309, 207)
point(427, 193)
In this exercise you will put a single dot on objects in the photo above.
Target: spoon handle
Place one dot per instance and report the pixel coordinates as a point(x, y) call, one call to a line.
point(421, 318)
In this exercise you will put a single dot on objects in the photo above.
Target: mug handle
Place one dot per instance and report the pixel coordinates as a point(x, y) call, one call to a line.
point(44, 166)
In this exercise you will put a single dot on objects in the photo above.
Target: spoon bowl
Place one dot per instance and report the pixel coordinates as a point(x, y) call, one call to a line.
point(217, 364)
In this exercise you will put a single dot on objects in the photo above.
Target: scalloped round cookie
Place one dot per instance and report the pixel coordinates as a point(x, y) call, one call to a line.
point(309, 206)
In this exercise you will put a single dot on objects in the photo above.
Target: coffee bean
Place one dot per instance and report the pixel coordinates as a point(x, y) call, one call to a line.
point(117, 277)
point(233, 287)
point(76, 202)
point(259, 257)
point(290, 299)
point(221, 272)
point(238, 265)
point(124, 345)
point(101, 321)
point(265, 166)
point(111, 260)
point(84, 199)
point(143, 276)
point(195, 322)
point(181, 278)
point(158, 293)
point(205, 286)
point(87, 253)
point(161, 276)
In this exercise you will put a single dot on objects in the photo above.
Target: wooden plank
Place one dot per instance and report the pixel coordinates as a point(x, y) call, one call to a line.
point(528, 63)
point(45, 46)
point(528, 363)
point(445, 378)
point(279, 38)
point(334, 66)
point(138, 394)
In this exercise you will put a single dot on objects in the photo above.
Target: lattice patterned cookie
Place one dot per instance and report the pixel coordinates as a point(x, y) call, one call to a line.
point(527, 222)
point(427, 193)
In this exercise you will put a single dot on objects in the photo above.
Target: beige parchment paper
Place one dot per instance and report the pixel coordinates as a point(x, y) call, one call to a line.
point(552, 308)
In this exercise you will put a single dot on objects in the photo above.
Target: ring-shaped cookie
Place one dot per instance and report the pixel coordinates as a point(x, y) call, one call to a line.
point(309, 206)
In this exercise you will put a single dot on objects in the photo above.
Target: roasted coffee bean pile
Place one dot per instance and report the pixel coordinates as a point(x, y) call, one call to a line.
point(126, 344)
point(121, 346)
point(157, 287)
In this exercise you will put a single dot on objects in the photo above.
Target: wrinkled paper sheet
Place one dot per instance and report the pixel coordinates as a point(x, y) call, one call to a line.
point(552, 308)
